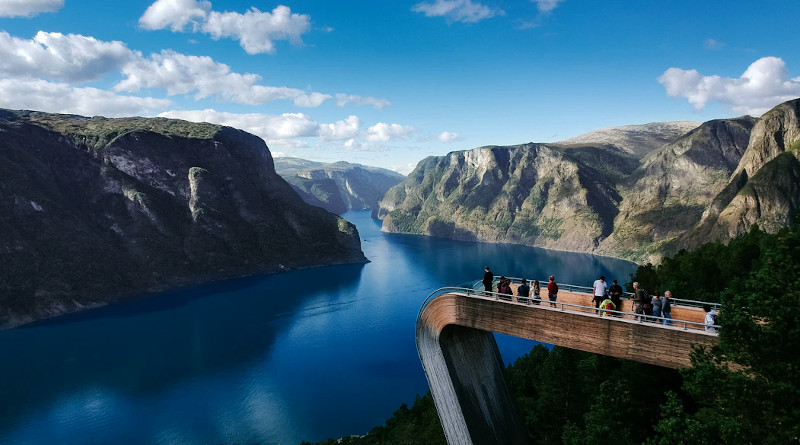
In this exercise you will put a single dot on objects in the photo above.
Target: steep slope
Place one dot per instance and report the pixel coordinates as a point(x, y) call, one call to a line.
point(92, 210)
point(637, 140)
point(668, 194)
point(531, 194)
point(337, 187)
point(765, 187)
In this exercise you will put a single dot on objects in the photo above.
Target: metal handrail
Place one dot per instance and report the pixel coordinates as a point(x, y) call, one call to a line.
point(528, 302)
point(588, 290)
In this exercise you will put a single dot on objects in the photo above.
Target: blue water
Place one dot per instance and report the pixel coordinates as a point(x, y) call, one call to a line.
point(305, 355)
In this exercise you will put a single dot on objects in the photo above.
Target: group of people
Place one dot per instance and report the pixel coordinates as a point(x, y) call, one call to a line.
point(607, 299)
point(533, 292)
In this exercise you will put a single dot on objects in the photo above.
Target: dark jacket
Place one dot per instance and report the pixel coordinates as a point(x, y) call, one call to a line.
point(488, 277)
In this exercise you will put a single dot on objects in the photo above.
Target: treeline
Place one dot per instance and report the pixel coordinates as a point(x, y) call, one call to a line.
point(745, 390)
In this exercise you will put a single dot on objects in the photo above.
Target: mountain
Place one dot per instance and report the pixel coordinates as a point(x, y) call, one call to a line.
point(765, 187)
point(669, 192)
point(337, 187)
point(637, 140)
point(602, 193)
point(95, 209)
point(534, 194)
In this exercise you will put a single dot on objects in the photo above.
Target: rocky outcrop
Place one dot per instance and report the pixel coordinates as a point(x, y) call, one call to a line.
point(93, 210)
point(338, 187)
point(596, 194)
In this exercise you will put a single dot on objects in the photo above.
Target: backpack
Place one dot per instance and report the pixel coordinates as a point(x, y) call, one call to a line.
point(715, 318)
point(643, 297)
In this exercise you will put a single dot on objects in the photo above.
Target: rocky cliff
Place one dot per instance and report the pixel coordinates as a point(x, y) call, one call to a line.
point(337, 187)
point(93, 210)
point(606, 195)
point(765, 187)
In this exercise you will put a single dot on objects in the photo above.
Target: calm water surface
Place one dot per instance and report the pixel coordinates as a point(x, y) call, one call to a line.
point(304, 355)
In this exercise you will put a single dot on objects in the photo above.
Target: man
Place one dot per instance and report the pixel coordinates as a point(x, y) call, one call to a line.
point(524, 291)
point(599, 291)
point(615, 294)
point(640, 297)
point(666, 308)
point(488, 277)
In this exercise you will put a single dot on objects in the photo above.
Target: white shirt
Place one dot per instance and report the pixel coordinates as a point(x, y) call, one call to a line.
point(600, 288)
point(710, 321)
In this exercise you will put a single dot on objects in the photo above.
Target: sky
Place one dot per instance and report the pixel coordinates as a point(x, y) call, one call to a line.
point(389, 82)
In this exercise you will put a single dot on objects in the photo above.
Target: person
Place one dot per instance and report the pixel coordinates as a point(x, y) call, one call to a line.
point(504, 286)
point(639, 298)
point(606, 306)
point(599, 291)
point(666, 308)
point(615, 294)
point(524, 291)
point(552, 290)
point(711, 318)
point(537, 289)
point(488, 278)
point(656, 303)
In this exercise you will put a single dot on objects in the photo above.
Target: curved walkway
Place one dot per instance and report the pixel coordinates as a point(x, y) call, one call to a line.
point(466, 373)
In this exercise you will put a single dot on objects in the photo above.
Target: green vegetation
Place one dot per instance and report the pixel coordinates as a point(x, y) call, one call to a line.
point(745, 390)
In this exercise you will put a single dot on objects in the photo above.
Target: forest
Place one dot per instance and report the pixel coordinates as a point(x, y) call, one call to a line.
point(744, 390)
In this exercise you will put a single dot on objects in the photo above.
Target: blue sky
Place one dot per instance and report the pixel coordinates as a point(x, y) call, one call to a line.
point(388, 83)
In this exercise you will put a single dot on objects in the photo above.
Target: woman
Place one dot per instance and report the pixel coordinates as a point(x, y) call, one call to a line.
point(537, 289)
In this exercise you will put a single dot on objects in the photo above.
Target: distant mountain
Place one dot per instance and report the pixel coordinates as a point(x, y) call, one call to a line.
point(637, 140)
point(337, 187)
point(606, 193)
point(93, 210)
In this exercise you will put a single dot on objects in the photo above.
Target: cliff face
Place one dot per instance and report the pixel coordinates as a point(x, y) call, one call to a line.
point(337, 187)
point(593, 195)
point(668, 193)
point(765, 187)
point(531, 194)
point(92, 210)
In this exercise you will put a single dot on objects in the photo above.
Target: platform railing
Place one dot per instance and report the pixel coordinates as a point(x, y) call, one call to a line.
point(588, 290)
point(537, 303)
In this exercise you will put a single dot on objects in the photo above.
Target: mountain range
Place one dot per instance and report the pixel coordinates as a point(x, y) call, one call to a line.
point(634, 192)
point(337, 187)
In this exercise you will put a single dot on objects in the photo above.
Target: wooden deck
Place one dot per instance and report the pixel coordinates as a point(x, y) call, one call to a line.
point(466, 373)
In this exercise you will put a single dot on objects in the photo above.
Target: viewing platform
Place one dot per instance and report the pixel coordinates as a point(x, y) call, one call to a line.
point(466, 373)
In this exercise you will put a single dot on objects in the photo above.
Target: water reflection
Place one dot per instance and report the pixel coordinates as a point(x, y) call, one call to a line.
point(309, 354)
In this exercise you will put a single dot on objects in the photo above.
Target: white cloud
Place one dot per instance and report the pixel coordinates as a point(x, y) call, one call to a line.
point(175, 14)
point(54, 97)
point(382, 132)
point(287, 130)
point(545, 6)
point(763, 85)
point(457, 10)
point(713, 44)
point(446, 136)
point(255, 30)
point(404, 169)
point(344, 129)
point(201, 75)
point(74, 58)
point(268, 126)
point(69, 58)
point(344, 99)
point(28, 8)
